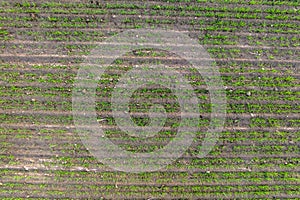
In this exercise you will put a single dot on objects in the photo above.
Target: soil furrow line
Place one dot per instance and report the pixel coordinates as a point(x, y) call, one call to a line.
point(282, 69)
point(17, 42)
point(72, 127)
point(139, 114)
point(57, 56)
point(189, 32)
point(120, 72)
point(154, 184)
point(170, 170)
point(22, 154)
point(259, 5)
point(68, 87)
point(114, 14)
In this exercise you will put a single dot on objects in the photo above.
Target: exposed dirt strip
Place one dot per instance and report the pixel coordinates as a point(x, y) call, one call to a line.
point(68, 87)
point(57, 56)
point(240, 46)
point(139, 114)
point(112, 29)
point(72, 127)
point(119, 72)
point(170, 170)
point(39, 155)
point(115, 17)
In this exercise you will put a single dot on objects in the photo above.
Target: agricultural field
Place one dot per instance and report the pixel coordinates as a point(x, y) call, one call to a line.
point(255, 45)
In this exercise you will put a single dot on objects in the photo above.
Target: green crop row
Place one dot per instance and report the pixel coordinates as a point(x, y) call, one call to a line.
point(84, 49)
point(233, 94)
point(68, 119)
point(82, 22)
point(227, 67)
point(238, 177)
point(226, 136)
point(230, 81)
point(112, 191)
point(194, 7)
point(246, 158)
point(238, 2)
point(67, 35)
point(66, 105)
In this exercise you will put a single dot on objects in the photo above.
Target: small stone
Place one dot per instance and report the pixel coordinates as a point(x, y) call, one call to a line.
point(248, 93)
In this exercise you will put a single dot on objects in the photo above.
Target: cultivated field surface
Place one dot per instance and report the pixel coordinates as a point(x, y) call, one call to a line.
point(255, 45)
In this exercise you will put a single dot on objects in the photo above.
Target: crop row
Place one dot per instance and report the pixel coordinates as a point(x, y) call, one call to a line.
point(229, 80)
point(214, 187)
point(228, 143)
point(219, 160)
point(232, 94)
point(270, 41)
point(100, 16)
point(208, 40)
point(233, 67)
point(71, 153)
point(239, 63)
point(215, 52)
point(272, 154)
point(240, 2)
point(52, 7)
point(240, 176)
point(64, 119)
point(167, 192)
point(226, 138)
point(235, 107)
point(202, 25)
point(133, 4)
